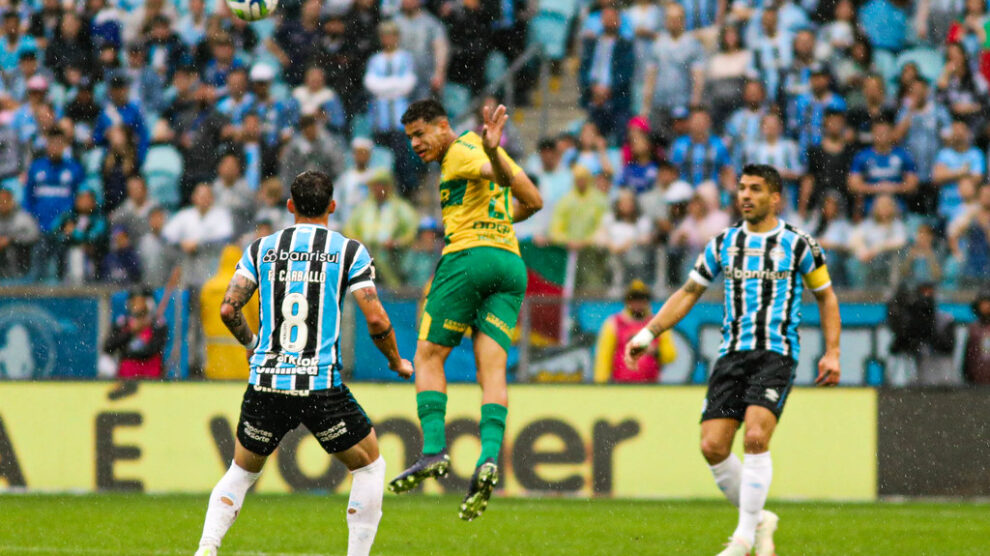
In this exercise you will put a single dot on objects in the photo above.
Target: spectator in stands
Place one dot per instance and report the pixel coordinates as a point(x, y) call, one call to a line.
point(200, 130)
point(316, 99)
point(11, 158)
point(555, 180)
point(222, 61)
point(976, 355)
point(80, 237)
point(876, 107)
point(830, 226)
point(108, 63)
point(808, 117)
point(18, 234)
point(640, 173)
point(163, 167)
point(576, 219)
point(675, 75)
point(704, 221)
point(470, 43)
point(883, 169)
point(166, 51)
point(772, 52)
point(385, 223)
point(592, 151)
point(934, 18)
point(296, 41)
point(885, 22)
point(192, 25)
point(646, 19)
point(920, 124)
point(425, 38)
point(138, 339)
point(956, 163)
point(624, 233)
point(158, 259)
point(13, 42)
point(837, 36)
point(418, 262)
point(875, 243)
point(777, 151)
point(121, 266)
point(142, 16)
point(260, 159)
point(25, 118)
point(852, 69)
point(200, 233)
point(742, 128)
point(44, 22)
point(828, 165)
point(701, 156)
point(618, 329)
point(121, 110)
point(726, 73)
point(960, 89)
point(119, 163)
point(352, 186)
point(133, 213)
point(50, 191)
point(969, 241)
point(921, 263)
point(311, 149)
point(390, 78)
point(606, 77)
point(512, 140)
point(15, 85)
point(147, 86)
point(361, 37)
point(237, 102)
point(271, 206)
point(796, 77)
point(277, 117)
point(231, 191)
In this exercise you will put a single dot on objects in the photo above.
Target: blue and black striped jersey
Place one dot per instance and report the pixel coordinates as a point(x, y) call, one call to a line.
point(762, 286)
point(302, 274)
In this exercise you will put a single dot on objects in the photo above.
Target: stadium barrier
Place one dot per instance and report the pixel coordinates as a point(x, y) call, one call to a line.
point(566, 439)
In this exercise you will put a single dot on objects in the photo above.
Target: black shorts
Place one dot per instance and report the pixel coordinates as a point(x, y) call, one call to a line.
point(333, 416)
point(744, 378)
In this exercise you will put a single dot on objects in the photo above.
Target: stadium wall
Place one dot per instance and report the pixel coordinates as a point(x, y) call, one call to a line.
point(567, 439)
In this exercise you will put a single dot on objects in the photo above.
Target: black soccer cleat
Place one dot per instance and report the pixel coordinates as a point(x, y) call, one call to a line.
point(482, 483)
point(426, 467)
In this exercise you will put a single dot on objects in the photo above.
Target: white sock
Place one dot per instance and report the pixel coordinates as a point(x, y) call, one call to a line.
point(757, 472)
point(728, 476)
point(225, 502)
point(364, 510)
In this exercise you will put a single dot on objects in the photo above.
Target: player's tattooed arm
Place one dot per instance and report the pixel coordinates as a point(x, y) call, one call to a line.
point(238, 293)
point(676, 307)
point(380, 329)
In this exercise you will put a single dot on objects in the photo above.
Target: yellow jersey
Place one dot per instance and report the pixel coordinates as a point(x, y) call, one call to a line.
point(476, 212)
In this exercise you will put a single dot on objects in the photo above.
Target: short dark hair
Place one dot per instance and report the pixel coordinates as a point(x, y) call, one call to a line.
point(311, 193)
point(769, 174)
point(426, 110)
point(547, 143)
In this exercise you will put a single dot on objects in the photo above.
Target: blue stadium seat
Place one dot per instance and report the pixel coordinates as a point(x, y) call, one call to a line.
point(886, 65)
point(456, 99)
point(928, 60)
point(549, 30)
point(495, 67)
point(381, 157)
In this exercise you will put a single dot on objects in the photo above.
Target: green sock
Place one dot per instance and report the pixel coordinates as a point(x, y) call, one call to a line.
point(492, 430)
point(432, 408)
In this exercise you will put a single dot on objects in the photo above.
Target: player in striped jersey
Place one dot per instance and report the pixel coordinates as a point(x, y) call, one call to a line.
point(765, 261)
point(301, 274)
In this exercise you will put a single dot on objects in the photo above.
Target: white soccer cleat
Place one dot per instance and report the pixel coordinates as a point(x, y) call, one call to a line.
point(764, 534)
point(736, 547)
point(206, 551)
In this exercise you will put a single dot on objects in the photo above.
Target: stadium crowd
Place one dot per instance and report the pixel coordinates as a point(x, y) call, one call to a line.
point(138, 134)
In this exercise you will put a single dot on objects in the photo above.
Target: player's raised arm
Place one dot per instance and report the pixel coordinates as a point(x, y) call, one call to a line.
point(238, 293)
point(380, 329)
point(831, 323)
point(673, 310)
point(527, 199)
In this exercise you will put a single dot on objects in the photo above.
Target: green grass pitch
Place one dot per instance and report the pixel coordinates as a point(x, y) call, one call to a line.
point(424, 525)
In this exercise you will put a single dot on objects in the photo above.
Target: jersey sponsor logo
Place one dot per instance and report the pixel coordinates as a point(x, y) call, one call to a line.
point(488, 225)
point(273, 255)
point(771, 395)
point(311, 371)
point(740, 274)
point(454, 325)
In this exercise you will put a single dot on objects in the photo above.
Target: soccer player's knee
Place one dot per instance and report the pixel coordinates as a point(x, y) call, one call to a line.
point(756, 439)
point(714, 450)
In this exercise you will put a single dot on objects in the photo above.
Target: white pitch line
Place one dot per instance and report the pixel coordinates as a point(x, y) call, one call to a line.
point(63, 550)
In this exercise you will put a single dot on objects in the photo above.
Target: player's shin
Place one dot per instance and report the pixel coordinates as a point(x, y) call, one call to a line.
point(431, 406)
point(364, 510)
point(728, 477)
point(225, 503)
point(757, 472)
point(492, 429)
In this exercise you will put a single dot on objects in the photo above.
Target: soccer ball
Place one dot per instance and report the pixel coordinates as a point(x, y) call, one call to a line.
point(252, 10)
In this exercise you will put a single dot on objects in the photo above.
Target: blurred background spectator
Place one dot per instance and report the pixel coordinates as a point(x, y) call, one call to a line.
point(138, 339)
point(610, 363)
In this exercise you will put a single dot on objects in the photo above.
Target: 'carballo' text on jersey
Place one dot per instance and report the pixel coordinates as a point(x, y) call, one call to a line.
point(762, 284)
point(476, 212)
point(302, 274)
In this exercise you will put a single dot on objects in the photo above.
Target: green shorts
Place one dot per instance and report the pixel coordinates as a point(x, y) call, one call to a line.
point(480, 287)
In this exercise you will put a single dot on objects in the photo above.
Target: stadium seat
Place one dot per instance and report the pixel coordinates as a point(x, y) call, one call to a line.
point(381, 157)
point(928, 60)
point(549, 30)
point(886, 65)
point(495, 67)
point(457, 100)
